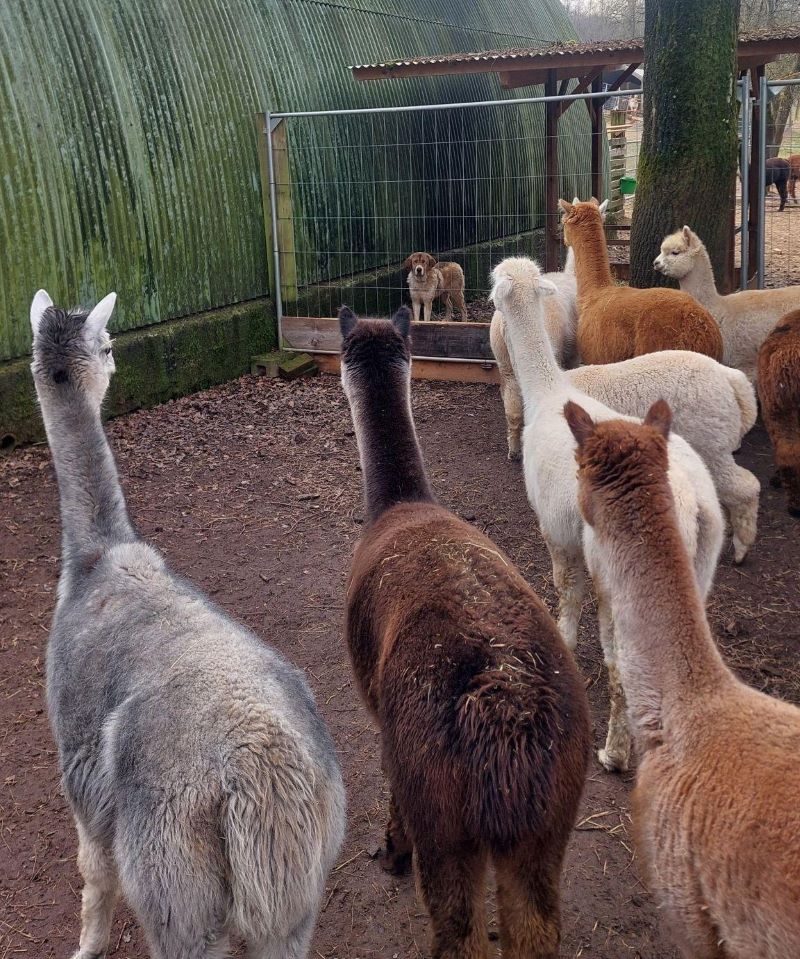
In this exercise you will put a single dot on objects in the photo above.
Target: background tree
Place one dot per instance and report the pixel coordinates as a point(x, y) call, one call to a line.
point(687, 162)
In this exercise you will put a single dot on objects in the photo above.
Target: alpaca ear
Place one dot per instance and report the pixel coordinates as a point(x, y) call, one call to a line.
point(604, 207)
point(567, 207)
point(594, 201)
point(41, 302)
point(659, 416)
point(687, 235)
point(576, 199)
point(579, 422)
point(98, 319)
point(401, 321)
point(347, 321)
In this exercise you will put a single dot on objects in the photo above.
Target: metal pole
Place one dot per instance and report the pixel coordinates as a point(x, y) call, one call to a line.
point(744, 163)
point(762, 187)
point(603, 95)
point(271, 122)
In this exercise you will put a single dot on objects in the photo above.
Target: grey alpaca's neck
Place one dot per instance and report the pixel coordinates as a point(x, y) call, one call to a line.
point(93, 512)
point(391, 460)
point(531, 349)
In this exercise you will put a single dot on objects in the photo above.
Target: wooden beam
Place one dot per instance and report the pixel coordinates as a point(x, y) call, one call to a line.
point(266, 207)
point(583, 85)
point(284, 227)
point(477, 372)
point(552, 179)
point(466, 341)
point(626, 74)
point(598, 141)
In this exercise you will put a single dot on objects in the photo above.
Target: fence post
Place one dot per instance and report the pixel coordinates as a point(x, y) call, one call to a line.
point(266, 205)
point(744, 173)
point(552, 242)
point(762, 173)
point(282, 215)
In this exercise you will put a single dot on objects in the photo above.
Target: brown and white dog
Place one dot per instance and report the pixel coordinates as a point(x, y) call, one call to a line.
point(429, 280)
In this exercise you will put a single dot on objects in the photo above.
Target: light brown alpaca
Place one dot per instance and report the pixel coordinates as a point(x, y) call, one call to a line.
point(716, 811)
point(779, 394)
point(618, 322)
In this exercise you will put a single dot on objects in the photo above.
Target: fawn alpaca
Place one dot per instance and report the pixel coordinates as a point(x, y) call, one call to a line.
point(202, 779)
point(745, 318)
point(618, 322)
point(715, 807)
point(552, 486)
point(779, 392)
point(482, 712)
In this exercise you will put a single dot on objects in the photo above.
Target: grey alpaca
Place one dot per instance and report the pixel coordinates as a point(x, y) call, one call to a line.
point(203, 781)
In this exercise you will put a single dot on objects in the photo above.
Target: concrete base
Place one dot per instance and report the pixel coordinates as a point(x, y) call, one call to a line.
point(154, 364)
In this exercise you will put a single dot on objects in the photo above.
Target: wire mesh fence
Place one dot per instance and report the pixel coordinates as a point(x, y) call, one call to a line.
point(357, 194)
point(782, 203)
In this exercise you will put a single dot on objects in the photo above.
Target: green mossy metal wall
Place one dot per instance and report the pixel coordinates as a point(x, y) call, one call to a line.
point(128, 158)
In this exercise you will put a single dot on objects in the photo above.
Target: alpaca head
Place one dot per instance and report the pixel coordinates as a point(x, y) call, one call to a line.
point(374, 349)
point(517, 274)
point(576, 213)
point(678, 252)
point(72, 348)
point(616, 459)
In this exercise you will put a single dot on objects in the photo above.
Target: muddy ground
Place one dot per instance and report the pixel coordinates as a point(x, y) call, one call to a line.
point(252, 490)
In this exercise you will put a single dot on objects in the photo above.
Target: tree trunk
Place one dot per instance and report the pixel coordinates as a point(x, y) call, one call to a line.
point(687, 164)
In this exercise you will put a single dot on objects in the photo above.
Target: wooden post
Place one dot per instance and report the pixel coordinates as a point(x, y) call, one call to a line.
point(552, 245)
point(266, 208)
point(284, 227)
point(596, 113)
point(752, 220)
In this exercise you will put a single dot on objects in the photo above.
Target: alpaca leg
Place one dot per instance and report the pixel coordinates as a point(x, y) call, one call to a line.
point(100, 893)
point(396, 858)
point(512, 404)
point(617, 752)
point(790, 480)
point(528, 903)
point(452, 886)
point(295, 946)
point(569, 577)
point(738, 491)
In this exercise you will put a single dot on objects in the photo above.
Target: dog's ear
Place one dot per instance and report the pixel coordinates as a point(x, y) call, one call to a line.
point(347, 321)
point(430, 261)
point(402, 321)
point(407, 262)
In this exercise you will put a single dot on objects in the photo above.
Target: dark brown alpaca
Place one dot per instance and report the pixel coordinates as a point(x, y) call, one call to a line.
point(483, 714)
point(779, 395)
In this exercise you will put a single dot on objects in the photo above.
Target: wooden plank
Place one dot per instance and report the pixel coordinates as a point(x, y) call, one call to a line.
point(552, 259)
point(623, 77)
point(427, 370)
point(596, 113)
point(284, 212)
point(468, 341)
point(266, 209)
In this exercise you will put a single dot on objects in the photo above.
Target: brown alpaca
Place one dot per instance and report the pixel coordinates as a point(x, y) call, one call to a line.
point(483, 714)
point(716, 812)
point(618, 322)
point(779, 395)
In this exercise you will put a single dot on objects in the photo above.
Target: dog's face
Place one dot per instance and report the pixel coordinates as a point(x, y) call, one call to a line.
point(419, 264)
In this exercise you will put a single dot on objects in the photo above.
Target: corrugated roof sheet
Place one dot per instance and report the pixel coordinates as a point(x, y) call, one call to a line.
point(622, 50)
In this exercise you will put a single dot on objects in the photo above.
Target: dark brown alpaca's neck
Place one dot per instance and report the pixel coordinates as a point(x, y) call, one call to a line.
point(391, 459)
point(592, 267)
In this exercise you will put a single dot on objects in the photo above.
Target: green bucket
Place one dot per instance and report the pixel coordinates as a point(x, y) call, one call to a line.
point(627, 185)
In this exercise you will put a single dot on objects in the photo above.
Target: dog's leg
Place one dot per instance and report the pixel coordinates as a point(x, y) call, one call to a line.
point(448, 307)
point(428, 309)
point(415, 305)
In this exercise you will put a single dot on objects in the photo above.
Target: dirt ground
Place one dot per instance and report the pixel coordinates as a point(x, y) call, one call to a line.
point(253, 491)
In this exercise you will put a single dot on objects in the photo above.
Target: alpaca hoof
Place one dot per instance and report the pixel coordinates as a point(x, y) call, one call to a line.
point(611, 763)
point(775, 481)
point(86, 954)
point(739, 552)
point(395, 865)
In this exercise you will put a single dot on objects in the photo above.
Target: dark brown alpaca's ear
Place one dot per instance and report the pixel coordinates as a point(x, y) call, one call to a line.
point(579, 422)
point(347, 321)
point(402, 321)
point(659, 416)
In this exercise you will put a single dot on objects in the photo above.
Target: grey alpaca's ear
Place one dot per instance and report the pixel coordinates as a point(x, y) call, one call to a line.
point(579, 422)
point(41, 302)
point(98, 319)
point(402, 321)
point(347, 321)
point(659, 416)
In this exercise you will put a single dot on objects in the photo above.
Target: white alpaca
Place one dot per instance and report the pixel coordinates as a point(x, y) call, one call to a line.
point(551, 481)
point(713, 407)
point(745, 319)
